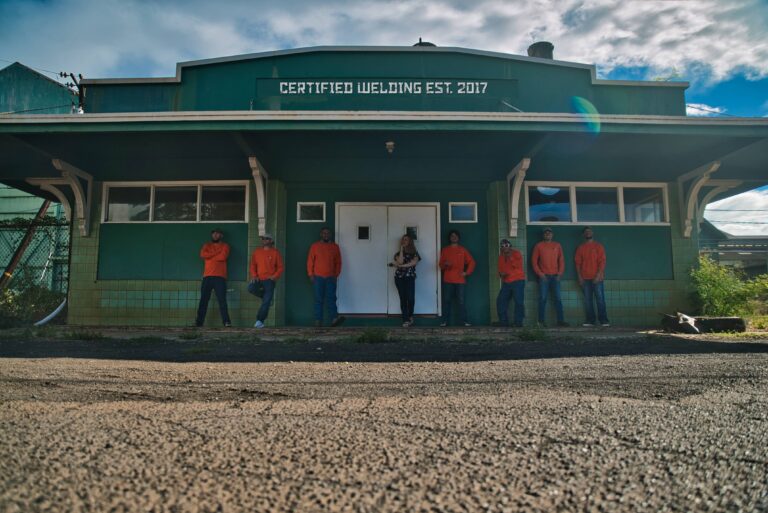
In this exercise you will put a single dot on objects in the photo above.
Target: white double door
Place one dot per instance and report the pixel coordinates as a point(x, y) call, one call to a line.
point(369, 235)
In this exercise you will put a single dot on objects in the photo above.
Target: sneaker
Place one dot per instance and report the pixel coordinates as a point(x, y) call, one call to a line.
point(258, 324)
point(467, 325)
point(406, 324)
point(338, 320)
point(563, 324)
point(443, 324)
point(588, 325)
point(606, 325)
point(227, 324)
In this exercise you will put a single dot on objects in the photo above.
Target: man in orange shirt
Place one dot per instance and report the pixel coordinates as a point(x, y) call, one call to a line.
point(512, 284)
point(214, 254)
point(324, 268)
point(548, 264)
point(456, 263)
point(590, 266)
point(266, 268)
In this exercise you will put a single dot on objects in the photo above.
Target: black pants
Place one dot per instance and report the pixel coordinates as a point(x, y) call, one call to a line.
point(406, 288)
point(218, 285)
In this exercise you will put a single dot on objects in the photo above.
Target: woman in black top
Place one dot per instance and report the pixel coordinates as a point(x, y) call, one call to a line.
point(405, 262)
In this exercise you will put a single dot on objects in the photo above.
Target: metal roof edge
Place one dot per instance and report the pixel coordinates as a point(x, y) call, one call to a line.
point(372, 116)
point(433, 49)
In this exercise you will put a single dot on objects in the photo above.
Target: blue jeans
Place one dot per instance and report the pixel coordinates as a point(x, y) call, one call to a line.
point(596, 290)
point(547, 283)
point(512, 290)
point(218, 285)
point(325, 292)
point(266, 301)
point(449, 291)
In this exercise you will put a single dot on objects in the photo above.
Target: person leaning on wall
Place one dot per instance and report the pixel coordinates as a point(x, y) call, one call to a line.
point(323, 269)
point(266, 268)
point(512, 276)
point(214, 254)
point(549, 265)
point(456, 263)
point(590, 266)
point(404, 262)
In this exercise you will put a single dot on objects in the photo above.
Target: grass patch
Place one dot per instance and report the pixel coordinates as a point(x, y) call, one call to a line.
point(198, 349)
point(531, 334)
point(83, 335)
point(373, 336)
point(190, 335)
point(758, 322)
point(732, 335)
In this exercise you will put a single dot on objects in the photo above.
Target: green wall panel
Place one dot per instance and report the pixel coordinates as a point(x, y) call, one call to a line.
point(166, 251)
point(301, 235)
point(632, 252)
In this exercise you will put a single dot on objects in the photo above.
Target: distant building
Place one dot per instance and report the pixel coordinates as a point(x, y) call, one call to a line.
point(746, 253)
point(376, 142)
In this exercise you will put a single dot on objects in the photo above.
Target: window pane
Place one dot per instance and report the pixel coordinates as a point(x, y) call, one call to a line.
point(597, 204)
point(311, 212)
point(363, 233)
point(463, 212)
point(223, 203)
point(643, 205)
point(128, 204)
point(549, 204)
point(176, 203)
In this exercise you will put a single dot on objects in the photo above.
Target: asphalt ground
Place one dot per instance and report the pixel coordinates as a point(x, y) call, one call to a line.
point(568, 421)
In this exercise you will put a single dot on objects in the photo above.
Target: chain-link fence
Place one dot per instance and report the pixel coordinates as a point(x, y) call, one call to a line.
point(38, 282)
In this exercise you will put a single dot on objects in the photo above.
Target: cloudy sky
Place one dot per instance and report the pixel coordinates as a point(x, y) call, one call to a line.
point(719, 46)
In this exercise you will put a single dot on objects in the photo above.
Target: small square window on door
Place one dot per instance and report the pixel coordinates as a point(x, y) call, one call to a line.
point(364, 232)
point(412, 232)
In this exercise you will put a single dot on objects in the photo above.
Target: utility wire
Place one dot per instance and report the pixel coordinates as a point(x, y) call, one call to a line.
point(39, 108)
point(712, 111)
point(736, 210)
point(723, 221)
point(56, 73)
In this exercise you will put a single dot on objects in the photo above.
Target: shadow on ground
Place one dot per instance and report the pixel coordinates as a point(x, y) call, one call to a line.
point(359, 345)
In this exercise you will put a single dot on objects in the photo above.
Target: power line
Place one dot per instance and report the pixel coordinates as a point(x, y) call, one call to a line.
point(56, 73)
point(712, 111)
point(736, 210)
point(734, 222)
point(39, 108)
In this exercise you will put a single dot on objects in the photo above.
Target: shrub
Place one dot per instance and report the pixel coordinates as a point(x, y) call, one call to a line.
point(722, 291)
point(25, 302)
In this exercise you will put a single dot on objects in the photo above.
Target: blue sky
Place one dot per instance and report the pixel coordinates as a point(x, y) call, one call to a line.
point(719, 46)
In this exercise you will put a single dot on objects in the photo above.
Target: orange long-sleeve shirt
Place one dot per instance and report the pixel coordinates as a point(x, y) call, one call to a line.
point(266, 264)
point(511, 267)
point(324, 260)
point(453, 261)
point(548, 258)
point(215, 255)
point(590, 260)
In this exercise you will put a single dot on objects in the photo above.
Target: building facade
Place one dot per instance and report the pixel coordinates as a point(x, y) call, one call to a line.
point(375, 142)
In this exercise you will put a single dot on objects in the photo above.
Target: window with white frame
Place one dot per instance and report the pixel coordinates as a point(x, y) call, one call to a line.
point(310, 212)
point(175, 202)
point(597, 203)
point(462, 212)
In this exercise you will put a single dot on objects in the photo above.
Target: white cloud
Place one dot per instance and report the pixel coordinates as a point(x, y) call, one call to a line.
point(715, 38)
point(702, 109)
point(743, 214)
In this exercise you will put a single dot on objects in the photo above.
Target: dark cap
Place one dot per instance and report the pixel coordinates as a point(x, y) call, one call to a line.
point(547, 229)
point(217, 230)
point(505, 242)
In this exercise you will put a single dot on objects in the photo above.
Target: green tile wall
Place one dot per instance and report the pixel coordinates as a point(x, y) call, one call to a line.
point(155, 302)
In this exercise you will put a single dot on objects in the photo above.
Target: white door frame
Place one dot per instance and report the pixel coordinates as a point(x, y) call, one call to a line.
point(435, 204)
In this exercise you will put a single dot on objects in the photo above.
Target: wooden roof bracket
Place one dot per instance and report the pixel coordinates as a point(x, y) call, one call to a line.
point(515, 180)
point(52, 185)
point(81, 184)
point(718, 187)
point(688, 187)
point(260, 179)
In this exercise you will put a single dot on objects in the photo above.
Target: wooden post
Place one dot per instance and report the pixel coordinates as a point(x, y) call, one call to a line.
point(5, 279)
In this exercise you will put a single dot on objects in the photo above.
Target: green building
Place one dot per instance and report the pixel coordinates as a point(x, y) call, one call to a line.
point(375, 142)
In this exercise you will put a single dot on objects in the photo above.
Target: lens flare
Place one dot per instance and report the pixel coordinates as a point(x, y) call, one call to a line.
point(588, 112)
